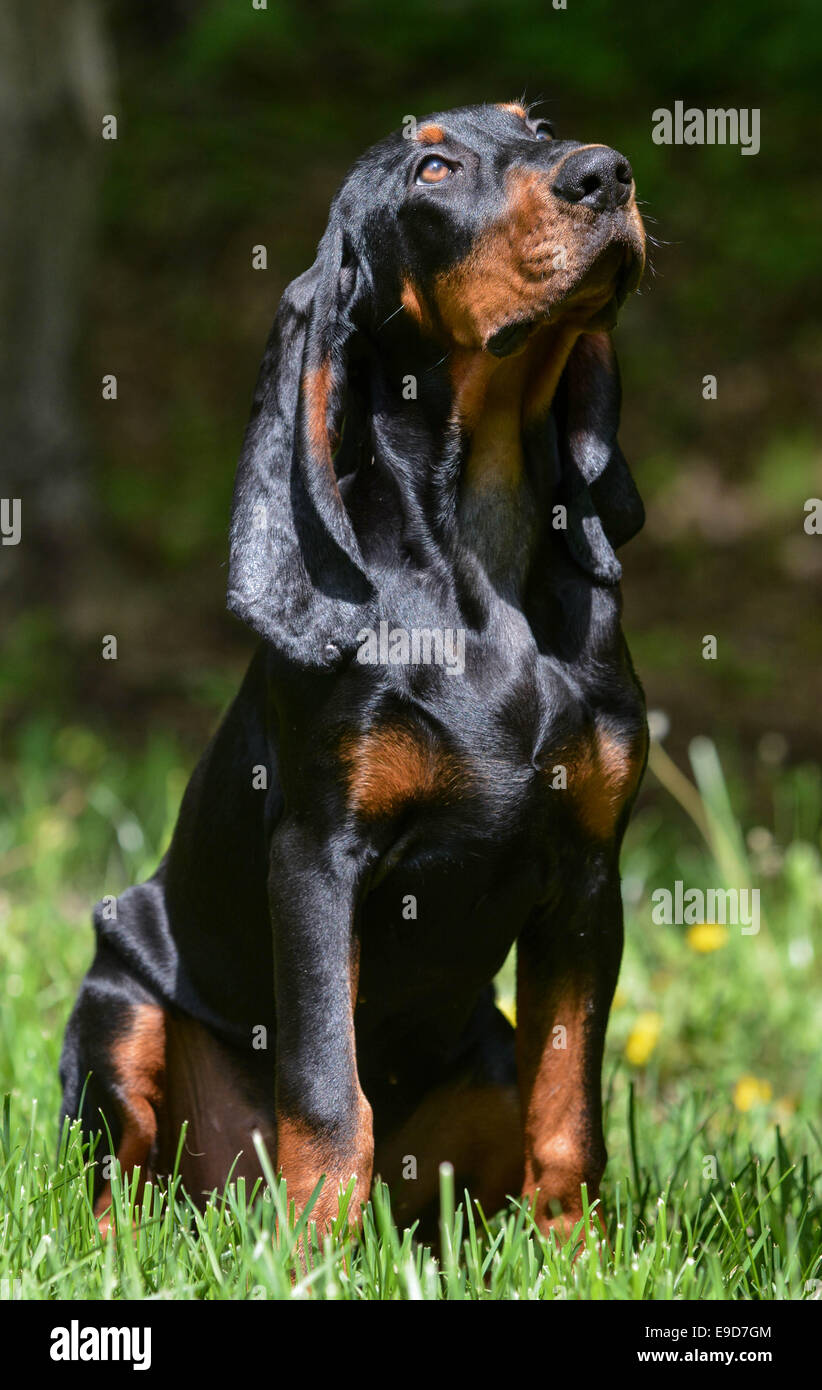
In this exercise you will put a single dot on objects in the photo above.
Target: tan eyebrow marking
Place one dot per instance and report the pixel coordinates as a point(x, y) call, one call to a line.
point(514, 107)
point(430, 134)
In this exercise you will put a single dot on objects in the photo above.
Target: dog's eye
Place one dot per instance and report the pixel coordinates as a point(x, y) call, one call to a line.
point(434, 170)
point(543, 130)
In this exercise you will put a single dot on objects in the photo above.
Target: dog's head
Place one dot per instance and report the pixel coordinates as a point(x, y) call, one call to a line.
point(503, 228)
point(482, 237)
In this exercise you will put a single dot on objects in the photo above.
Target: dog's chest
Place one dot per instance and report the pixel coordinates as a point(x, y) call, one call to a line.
point(560, 751)
point(504, 749)
point(488, 811)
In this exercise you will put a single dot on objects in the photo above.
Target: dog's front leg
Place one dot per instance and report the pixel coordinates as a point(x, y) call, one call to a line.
point(323, 1118)
point(567, 965)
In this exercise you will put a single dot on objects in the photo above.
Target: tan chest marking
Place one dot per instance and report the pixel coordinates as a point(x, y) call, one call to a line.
point(392, 765)
point(603, 772)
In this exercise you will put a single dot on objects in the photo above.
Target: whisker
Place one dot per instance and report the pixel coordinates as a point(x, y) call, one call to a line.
point(390, 317)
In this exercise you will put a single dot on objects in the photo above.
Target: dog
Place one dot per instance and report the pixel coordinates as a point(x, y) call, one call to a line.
point(432, 450)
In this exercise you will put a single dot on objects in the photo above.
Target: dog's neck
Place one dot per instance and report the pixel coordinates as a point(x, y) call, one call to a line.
point(498, 403)
point(463, 480)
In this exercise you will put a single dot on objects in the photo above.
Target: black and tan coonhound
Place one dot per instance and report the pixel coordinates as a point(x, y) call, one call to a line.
point(435, 749)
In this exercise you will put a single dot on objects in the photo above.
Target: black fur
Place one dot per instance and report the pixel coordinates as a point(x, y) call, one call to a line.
point(251, 916)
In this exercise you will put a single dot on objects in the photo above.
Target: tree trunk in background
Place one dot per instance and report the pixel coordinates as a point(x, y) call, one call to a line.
point(55, 71)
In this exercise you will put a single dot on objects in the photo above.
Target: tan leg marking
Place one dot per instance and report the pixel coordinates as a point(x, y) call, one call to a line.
point(138, 1060)
point(560, 1150)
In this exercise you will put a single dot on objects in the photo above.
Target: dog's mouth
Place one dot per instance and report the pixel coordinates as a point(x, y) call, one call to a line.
point(511, 337)
point(595, 300)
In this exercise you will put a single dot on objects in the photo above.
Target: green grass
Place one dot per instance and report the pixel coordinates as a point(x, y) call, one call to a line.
point(712, 1077)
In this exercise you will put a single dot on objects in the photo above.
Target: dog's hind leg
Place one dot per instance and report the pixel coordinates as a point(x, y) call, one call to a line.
point(112, 1070)
point(471, 1120)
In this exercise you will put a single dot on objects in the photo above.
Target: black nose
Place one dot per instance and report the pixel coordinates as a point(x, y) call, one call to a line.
point(598, 177)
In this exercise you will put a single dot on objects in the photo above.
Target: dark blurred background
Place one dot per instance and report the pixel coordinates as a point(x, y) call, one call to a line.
point(235, 126)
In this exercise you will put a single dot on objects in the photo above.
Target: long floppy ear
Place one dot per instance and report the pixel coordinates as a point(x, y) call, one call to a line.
point(296, 574)
point(604, 508)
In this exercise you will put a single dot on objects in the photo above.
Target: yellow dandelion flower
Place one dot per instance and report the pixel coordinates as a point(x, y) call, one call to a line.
point(643, 1038)
point(707, 936)
point(750, 1091)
